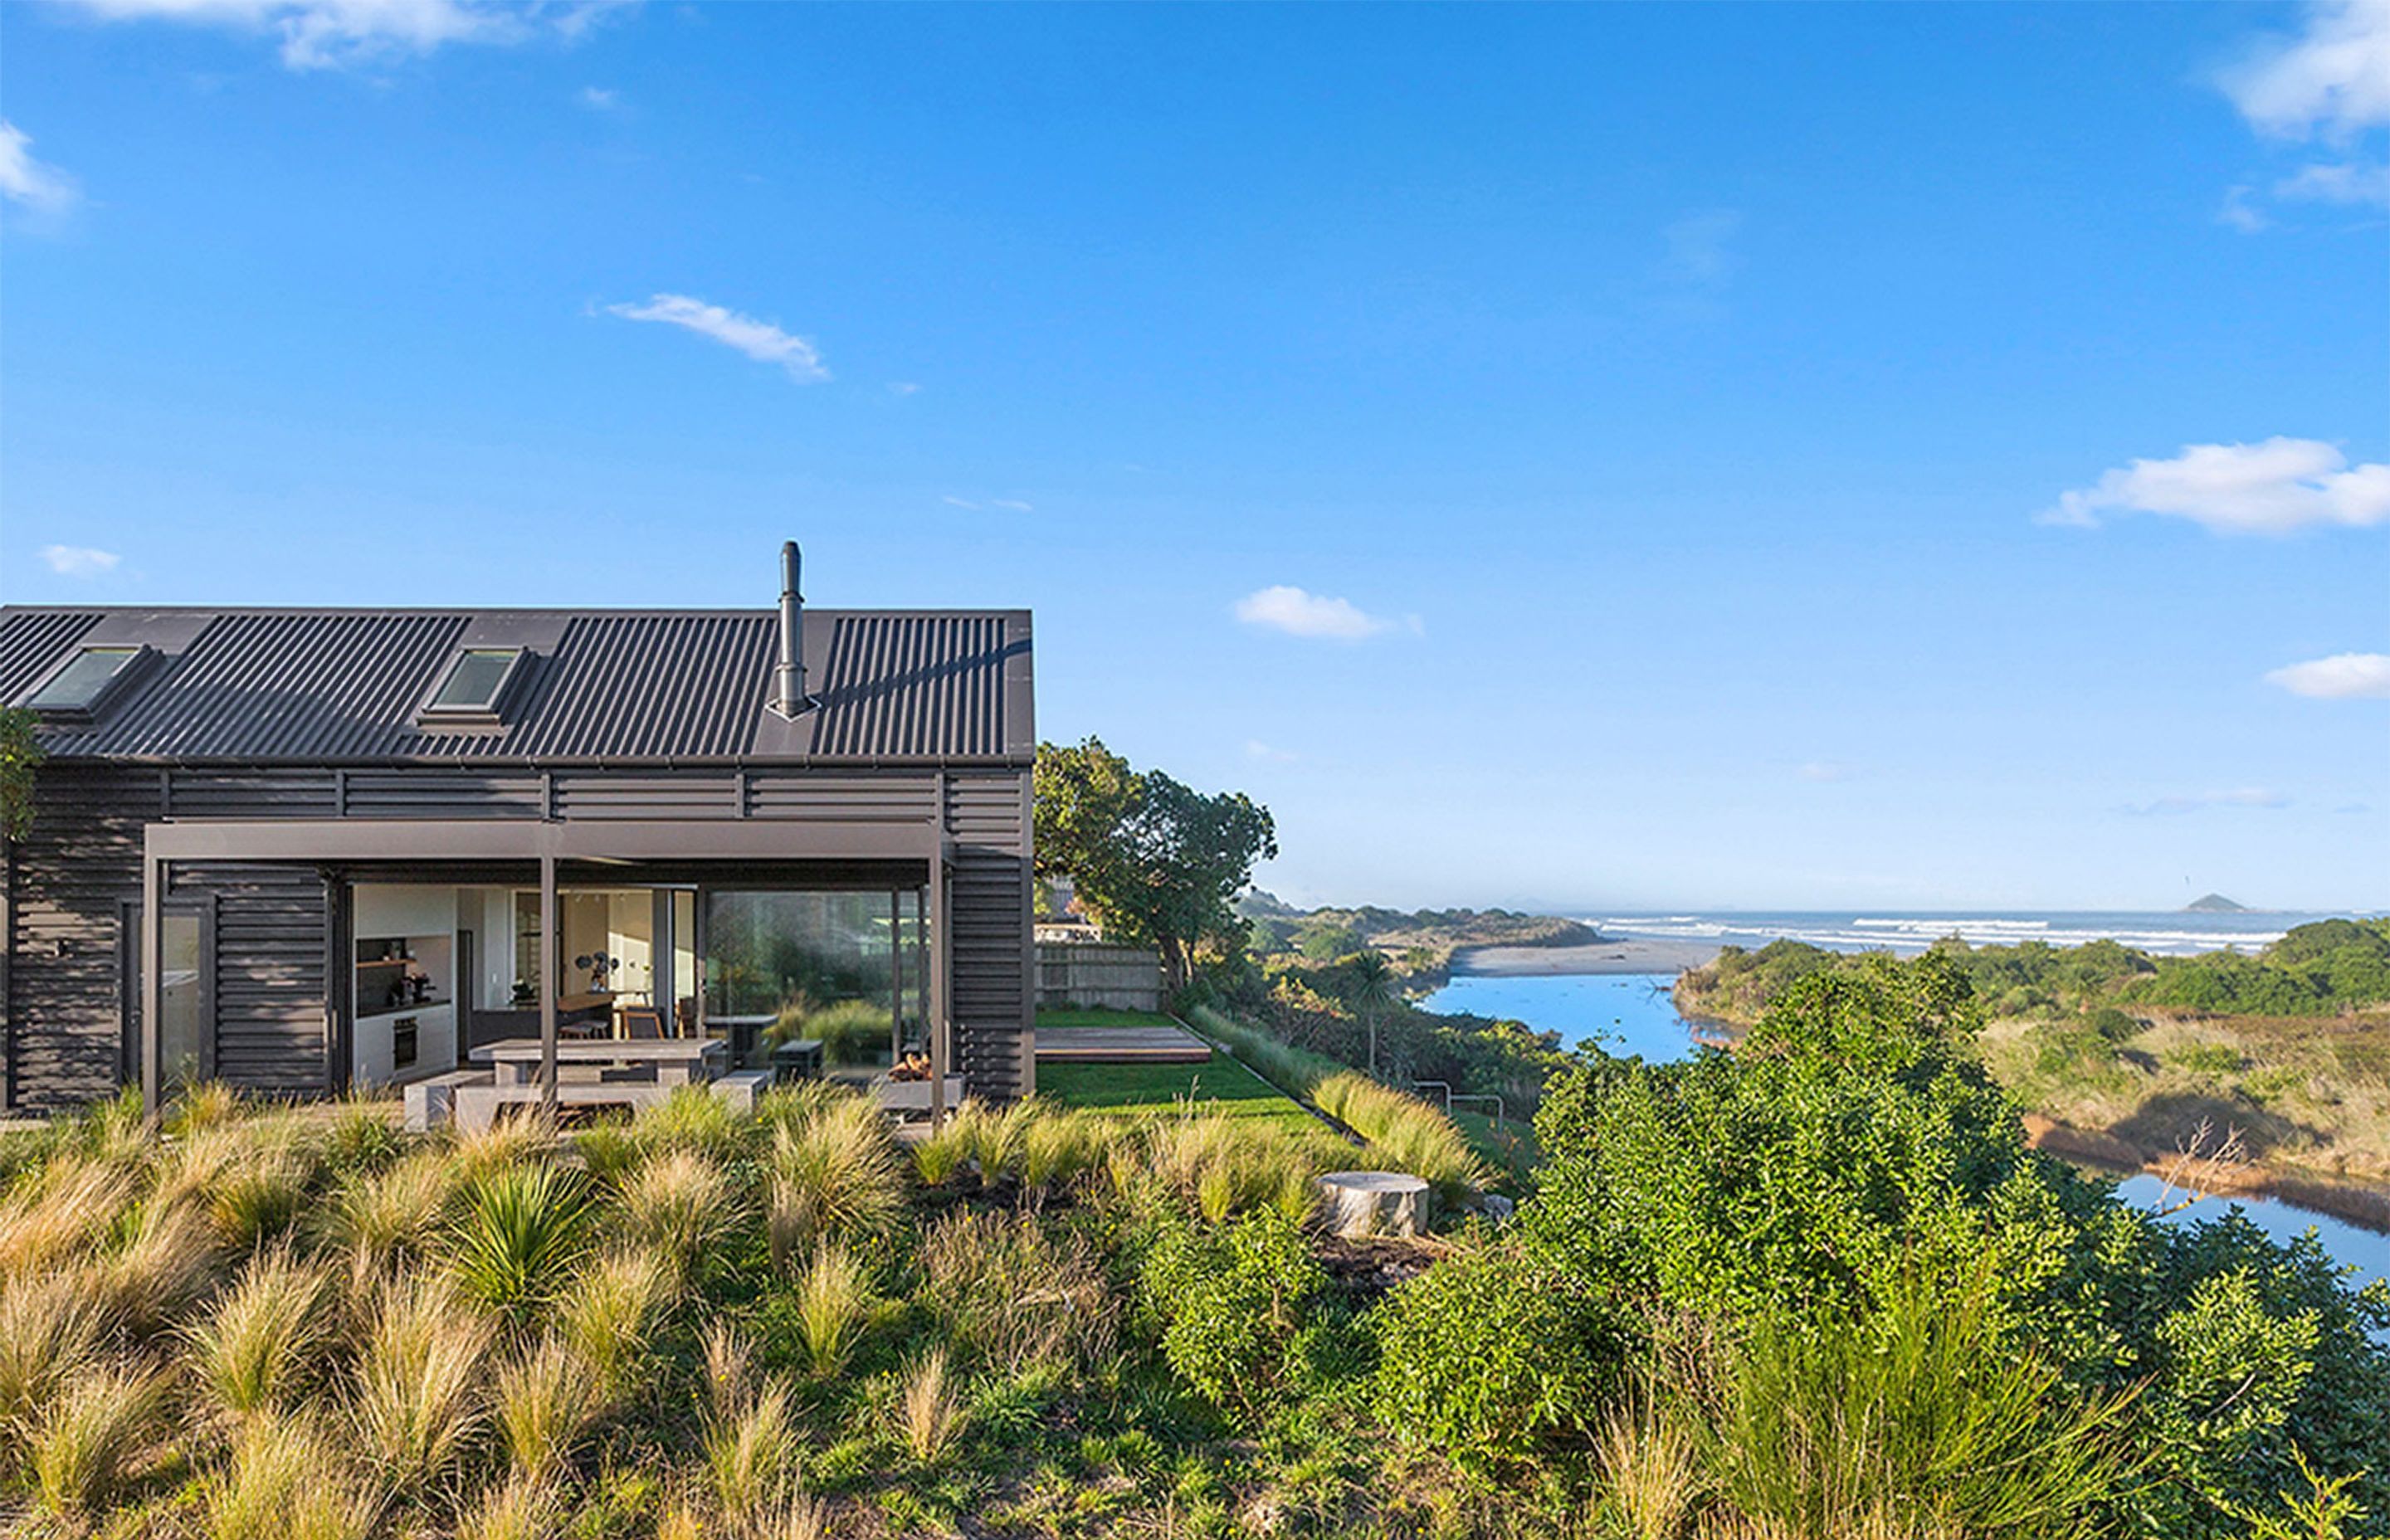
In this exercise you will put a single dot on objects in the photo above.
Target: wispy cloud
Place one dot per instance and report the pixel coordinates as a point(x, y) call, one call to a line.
point(2331, 78)
point(2239, 212)
point(1300, 613)
point(329, 34)
point(1699, 249)
point(80, 561)
point(903, 387)
point(1265, 753)
point(953, 502)
point(597, 98)
point(2269, 488)
point(2346, 182)
point(2343, 676)
point(1011, 505)
point(761, 341)
point(1823, 770)
point(30, 184)
point(2200, 801)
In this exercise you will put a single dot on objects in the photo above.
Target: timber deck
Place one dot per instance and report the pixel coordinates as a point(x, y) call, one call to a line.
point(1158, 1044)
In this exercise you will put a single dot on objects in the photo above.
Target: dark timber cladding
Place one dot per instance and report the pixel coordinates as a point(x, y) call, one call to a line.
point(644, 741)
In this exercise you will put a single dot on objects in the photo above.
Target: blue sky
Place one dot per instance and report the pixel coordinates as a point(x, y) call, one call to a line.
point(1773, 457)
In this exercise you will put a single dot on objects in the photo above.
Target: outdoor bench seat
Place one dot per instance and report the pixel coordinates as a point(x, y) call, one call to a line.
point(430, 1103)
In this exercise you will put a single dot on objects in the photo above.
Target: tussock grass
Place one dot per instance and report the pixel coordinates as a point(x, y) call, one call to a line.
point(1015, 1293)
point(940, 1155)
point(836, 1174)
point(392, 1216)
point(523, 1509)
point(751, 1449)
point(1221, 1166)
point(416, 1391)
point(693, 1118)
point(605, 1315)
point(1404, 1132)
point(1926, 1422)
point(288, 1481)
point(1059, 1149)
point(675, 1205)
point(164, 1258)
point(547, 1399)
point(833, 1301)
point(51, 1327)
point(86, 1443)
point(210, 1104)
point(256, 1347)
point(1652, 1480)
point(60, 1213)
point(930, 1410)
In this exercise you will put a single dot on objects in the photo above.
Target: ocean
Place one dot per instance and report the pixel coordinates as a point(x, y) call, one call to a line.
point(2160, 932)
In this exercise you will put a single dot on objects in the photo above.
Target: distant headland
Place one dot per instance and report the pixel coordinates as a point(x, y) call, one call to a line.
point(2216, 904)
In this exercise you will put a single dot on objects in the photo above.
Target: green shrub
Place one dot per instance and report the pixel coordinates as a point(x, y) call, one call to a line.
point(2065, 1048)
point(1491, 1359)
point(1232, 1299)
point(2206, 1059)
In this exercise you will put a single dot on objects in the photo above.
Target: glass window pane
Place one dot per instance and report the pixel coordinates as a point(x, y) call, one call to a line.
point(183, 1023)
point(79, 684)
point(817, 965)
point(472, 684)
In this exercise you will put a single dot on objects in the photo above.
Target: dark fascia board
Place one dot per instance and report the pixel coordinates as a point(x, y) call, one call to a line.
point(528, 612)
point(340, 840)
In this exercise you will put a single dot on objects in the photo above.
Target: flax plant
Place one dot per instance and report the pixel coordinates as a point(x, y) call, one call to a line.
point(518, 1234)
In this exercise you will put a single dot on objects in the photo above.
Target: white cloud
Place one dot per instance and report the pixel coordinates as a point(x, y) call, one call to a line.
point(37, 186)
point(2269, 488)
point(2245, 796)
point(598, 99)
point(2332, 78)
point(1265, 753)
point(2338, 182)
point(2343, 676)
point(903, 387)
point(1823, 770)
point(760, 341)
point(953, 502)
point(80, 561)
point(1298, 613)
point(1011, 505)
point(320, 35)
point(2238, 213)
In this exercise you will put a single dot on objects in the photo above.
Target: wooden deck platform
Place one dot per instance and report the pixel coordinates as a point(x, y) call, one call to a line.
point(1163, 1044)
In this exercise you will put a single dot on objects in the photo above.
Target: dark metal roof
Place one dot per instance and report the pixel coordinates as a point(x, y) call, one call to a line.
point(344, 686)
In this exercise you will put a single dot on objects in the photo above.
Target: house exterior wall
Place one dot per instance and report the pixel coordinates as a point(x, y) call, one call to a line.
point(71, 884)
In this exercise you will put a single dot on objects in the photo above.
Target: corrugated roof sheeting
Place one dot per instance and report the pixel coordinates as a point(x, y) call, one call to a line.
point(908, 683)
point(32, 642)
point(330, 687)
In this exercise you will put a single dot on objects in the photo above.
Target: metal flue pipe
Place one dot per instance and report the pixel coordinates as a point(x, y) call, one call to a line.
point(789, 675)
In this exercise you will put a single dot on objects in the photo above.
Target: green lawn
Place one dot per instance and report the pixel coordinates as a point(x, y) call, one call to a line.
point(1154, 1090)
point(1101, 1018)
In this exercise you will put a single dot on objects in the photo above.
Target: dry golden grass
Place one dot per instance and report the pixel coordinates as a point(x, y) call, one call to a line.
point(930, 1410)
point(288, 1481)
point(545, 1401)
point(415, 1393)
point(256, 1347)
point(86, 1442)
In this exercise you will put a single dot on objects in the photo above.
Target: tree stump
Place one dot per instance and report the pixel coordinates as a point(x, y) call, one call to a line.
point(1374, 1202)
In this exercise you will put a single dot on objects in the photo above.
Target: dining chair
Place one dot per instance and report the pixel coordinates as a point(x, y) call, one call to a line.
point(642, 1021)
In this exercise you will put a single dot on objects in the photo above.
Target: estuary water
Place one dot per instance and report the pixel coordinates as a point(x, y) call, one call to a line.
point(1631, 1014)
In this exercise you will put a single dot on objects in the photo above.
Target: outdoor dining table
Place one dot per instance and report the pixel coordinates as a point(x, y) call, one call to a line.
point(676, 1060)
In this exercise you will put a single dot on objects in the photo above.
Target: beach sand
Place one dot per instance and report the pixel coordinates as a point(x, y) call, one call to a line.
point(1607, 957)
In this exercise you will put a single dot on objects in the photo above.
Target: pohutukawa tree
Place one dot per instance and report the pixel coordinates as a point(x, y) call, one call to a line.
point(1154, 860)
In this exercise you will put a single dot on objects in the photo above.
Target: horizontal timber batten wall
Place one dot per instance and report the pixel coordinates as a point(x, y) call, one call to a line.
point(73, 881)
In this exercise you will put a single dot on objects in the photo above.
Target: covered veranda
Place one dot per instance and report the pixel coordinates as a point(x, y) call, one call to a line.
point(898, 870)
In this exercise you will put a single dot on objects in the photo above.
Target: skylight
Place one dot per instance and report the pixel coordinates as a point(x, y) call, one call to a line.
point(77, 689)
point(475, 684)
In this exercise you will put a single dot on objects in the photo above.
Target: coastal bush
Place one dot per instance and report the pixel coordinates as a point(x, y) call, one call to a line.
point(1232, 1299)
point(1402, 1131)
point(1491, 1358)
